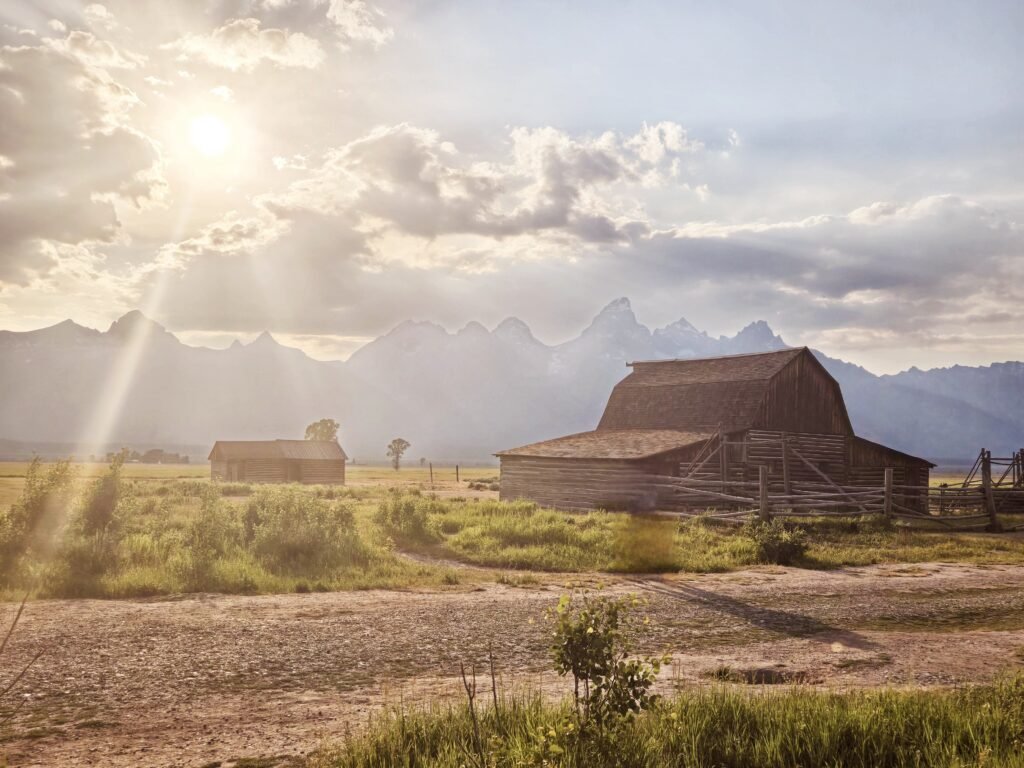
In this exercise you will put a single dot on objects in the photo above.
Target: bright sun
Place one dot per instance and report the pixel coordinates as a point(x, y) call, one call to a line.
point(209, 134)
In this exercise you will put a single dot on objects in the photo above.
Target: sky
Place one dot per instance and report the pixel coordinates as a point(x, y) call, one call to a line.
point(325, 169)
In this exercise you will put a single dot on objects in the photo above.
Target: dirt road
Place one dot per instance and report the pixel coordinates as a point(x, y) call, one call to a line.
point(201, 679)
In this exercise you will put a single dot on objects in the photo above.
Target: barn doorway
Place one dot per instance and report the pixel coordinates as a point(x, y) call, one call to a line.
point(294, 472)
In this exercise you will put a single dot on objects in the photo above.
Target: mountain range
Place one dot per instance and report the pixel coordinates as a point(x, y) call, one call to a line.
point(454, 396)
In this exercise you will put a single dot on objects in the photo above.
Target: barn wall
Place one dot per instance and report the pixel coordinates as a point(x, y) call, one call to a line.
point(825, 452)
point(802, 397)
point(264, 471)
point(869, 461)
point(566, 483)
point(322, 471)
point(218, 470)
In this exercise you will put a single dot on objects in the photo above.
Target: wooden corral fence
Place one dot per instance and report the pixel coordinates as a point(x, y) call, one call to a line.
point(1004, 476)
point(974, 504)
point(954, 509)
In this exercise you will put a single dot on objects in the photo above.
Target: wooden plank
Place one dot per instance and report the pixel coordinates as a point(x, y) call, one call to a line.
point(888, 492)
point(825, 477)
point(762, 474)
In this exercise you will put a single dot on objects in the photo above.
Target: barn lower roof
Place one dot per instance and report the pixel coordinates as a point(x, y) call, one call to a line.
point(307, 450)
point(611, 444)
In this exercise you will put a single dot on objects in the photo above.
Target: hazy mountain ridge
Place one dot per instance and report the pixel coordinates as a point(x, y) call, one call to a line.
point(460, 395)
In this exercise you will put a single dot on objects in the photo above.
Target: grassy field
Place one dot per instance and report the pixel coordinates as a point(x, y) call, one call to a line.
point(716, 727)
point(167, 529)
point(519, 535)
point(12, 475)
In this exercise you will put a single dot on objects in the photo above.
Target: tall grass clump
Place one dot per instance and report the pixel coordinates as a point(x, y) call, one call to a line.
point(212, 536)
point(715, 727)
point(644, 544)
point(775, 542)
point(406, 516)
point(291, 531)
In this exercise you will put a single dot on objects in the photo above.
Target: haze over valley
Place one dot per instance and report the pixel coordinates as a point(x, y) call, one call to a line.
point(455, 396)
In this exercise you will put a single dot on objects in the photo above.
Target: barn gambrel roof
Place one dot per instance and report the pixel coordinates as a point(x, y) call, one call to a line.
point(700, 394)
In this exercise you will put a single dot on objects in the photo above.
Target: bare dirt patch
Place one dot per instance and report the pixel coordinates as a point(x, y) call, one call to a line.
point(205, 678)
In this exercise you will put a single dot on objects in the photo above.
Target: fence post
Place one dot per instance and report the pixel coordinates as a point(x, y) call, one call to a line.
point(986, 490)
point(456, 473)
point(431, 474)
point(762, 481)
point(888, 492)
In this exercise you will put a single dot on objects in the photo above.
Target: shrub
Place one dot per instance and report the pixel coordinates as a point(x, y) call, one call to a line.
point(31, 525)
point(776, 543)
point(97, 513)
point(208, 538)
point(292, 531)
point(592, 643)
point(406, 516)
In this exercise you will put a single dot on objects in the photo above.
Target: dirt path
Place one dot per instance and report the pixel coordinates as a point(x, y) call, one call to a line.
point(201, 679)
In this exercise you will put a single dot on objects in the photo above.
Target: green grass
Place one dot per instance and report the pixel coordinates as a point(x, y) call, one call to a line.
point(520, 535)
point(716, 727)
point(149, 551)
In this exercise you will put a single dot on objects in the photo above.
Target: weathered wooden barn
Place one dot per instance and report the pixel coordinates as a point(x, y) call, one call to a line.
point(278, 461)
point(712, 419)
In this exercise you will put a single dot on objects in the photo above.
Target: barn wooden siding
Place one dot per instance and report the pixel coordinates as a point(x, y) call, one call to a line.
point(803, 397)
point(322, 472)
point(582, 484)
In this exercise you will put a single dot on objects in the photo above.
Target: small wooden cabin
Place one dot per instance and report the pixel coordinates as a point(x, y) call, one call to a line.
point(781, 410)
point(278, 461)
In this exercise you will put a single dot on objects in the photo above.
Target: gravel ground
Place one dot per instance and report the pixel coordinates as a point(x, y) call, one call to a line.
point(205, 678)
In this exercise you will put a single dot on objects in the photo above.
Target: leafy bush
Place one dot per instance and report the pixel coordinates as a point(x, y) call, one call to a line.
point(89, 548)
point(775, 542)
point(292, 531)
point(592, 643)
point(31, 526)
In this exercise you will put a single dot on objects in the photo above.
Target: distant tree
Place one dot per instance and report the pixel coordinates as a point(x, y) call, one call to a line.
point(396, 448)
point(325, 429)
point(423, 462)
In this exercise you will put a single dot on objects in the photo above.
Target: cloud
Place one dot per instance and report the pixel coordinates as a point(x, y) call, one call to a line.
point(72, 157)
point(99, 16)
point(356, 21)
point(408, 180)
point(241, 45)
point(94, 52)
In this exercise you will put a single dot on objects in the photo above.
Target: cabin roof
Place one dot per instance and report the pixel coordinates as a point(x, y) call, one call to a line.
point(307, 450)
point(610, 444)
